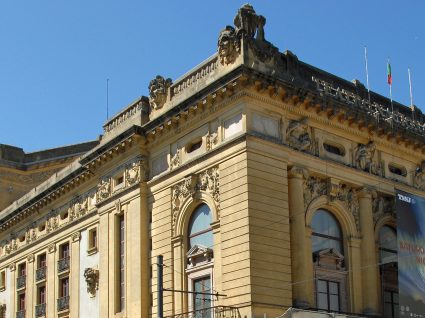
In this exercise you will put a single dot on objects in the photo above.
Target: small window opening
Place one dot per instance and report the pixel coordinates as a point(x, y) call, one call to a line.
point(119, 180)
point(64, 216)
point(41, 227)
point(3, 279)
point(401, 171)
point(336, 150)
point(194, 145)
point(22, 238)
point(92, 240)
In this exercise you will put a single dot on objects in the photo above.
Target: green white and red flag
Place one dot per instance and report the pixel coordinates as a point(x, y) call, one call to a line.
point(389, 75)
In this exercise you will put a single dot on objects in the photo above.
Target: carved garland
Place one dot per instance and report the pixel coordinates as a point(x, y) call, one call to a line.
point(206, 181)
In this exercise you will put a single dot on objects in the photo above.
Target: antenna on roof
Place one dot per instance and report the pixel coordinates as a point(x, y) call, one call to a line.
point(107, 98)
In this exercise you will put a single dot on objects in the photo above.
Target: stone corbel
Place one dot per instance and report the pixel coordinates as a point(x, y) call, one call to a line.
point(51, 248)
point(30, 258)
point(75, 237)
point(12, 267)
point(333, 188)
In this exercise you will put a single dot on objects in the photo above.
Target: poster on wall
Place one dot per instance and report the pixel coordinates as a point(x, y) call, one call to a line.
point(411, 254)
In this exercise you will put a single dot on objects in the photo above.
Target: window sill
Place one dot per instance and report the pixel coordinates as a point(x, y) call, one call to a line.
point(92, 250)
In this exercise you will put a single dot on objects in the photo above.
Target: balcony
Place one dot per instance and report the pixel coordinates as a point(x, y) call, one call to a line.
point(63, 264)
point(21, 281)
point(63, 303)
point(20, 314)
point(212, 312)
point(40, 310)
point(40, 273)
point(303, 313)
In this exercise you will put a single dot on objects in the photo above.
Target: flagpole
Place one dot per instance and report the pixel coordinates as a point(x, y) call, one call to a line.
point(412, 107)
point(367, 72)
point(390, 82)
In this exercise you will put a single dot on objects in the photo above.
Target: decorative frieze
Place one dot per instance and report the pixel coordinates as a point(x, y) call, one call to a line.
point(206, 181)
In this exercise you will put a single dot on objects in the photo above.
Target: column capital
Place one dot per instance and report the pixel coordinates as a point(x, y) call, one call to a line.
point(75, 237)
point(30, 258)
point(51, 248)
point(366, 192)
point(297, 172)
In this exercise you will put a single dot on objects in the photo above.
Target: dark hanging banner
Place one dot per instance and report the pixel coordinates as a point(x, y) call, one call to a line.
point(411, 254)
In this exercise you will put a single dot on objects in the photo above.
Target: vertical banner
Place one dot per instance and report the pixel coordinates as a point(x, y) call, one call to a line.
point(411, 254)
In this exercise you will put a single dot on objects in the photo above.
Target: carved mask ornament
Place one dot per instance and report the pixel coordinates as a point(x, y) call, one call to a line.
point(158, 91)
point(228, 46)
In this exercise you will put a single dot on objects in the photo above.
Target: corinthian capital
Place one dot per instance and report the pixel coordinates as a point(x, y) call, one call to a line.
point(298, 172)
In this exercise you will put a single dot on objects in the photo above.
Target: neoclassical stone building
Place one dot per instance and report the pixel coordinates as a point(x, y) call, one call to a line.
point(266, 184)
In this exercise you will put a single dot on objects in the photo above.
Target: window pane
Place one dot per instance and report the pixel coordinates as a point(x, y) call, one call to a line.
point(325, 223)
point(333, 288)
point(205, 240)
point(334, 302)
point(321, 243)
point(321, 286)
point(322, 301)
point(388, 238)
point(201, 219)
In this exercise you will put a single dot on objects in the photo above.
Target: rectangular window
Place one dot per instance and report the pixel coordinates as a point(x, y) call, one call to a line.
point(41, 295)
point(92, 240)
point(64, 251)
point(121, 252)
point(201, 299)
point(328, 295)
point(21, 301)
point(391, 309)
point(41, 261)
point(3, 280)
point(64, 287)
point(22, 270)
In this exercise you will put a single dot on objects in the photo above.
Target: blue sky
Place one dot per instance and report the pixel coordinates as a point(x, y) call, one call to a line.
point(56, 55)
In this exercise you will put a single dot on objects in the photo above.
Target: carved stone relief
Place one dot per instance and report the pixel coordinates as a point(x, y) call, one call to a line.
point(419, 177)
point(206, 181)
point(137, 171)
point(298, 135)
point(158, 88)
point(364, 158)
point(315, 187)
point(175, 159)
point(228, 46)
point(211, 140)
point(91, 276)
point(383, 205)
point(248, 23)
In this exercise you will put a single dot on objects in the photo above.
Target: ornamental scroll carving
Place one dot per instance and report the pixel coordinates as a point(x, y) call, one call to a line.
point(211, 140)
point(315, 187)
point(419, 177)
point(298, 135)
point(382, 206)
point(206, 181)
point(91, 276)
point(158, 88)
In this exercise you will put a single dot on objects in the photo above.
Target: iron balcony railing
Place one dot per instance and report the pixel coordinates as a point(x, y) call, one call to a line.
point(211, 312)
point(63, 264)
point(40, 310)
point(63, 303)
point(20, 314)
point(40, 273)
point(21, 281)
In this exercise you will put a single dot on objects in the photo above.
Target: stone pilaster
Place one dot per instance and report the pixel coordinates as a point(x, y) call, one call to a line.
point(75, 275)
point(302, 271)
point(369, 261)
point(31, 292)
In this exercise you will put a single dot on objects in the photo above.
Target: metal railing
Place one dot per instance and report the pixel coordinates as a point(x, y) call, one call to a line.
point(20, 314)
point(63, 303)
point(40, 310)
point(63, 264)
point(40, 273)
point(211, 312)
point(21, 281)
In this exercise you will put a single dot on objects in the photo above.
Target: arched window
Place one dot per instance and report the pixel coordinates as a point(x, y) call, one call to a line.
point(326, 232)
point(387, 245)
point(200, 231)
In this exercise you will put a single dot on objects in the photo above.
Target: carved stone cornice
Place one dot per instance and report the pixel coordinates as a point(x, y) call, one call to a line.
point(206, 181)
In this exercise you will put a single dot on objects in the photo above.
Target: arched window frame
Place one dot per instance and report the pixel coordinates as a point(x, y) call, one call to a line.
point(339, 239)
